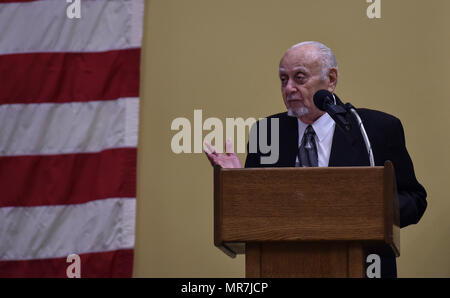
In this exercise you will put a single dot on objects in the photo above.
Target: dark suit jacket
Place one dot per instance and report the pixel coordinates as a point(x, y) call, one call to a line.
point(388, 143)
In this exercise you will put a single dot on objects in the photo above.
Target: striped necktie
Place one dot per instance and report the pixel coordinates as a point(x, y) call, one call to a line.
point(307, 152)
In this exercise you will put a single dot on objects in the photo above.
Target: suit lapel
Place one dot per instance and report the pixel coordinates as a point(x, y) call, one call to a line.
point(346, 148)
point(341, 148)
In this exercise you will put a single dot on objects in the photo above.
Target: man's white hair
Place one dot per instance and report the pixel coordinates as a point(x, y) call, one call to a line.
point(327, 57)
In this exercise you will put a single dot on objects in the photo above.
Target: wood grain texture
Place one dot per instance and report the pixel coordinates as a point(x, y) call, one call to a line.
point(253, 260)
point(355, 259)
point(304, 259)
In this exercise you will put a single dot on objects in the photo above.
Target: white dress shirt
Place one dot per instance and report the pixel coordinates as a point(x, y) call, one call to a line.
point(324, 129)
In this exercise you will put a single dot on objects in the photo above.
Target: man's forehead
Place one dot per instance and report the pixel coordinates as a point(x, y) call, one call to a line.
point(300, 58)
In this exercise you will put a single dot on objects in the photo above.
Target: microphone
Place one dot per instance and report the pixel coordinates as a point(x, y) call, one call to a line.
point(324, 100)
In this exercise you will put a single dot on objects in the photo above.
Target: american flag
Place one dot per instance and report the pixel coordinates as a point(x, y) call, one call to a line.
point(69, 108)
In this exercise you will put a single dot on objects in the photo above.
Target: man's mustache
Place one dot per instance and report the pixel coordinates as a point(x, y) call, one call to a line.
point(294, 97)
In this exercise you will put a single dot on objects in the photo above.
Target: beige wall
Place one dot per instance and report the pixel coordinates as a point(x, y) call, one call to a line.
point(222, 56)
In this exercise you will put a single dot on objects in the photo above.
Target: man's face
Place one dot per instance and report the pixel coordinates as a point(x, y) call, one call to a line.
point(301, 77)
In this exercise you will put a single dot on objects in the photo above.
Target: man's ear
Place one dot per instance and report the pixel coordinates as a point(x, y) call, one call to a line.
point(333, 78)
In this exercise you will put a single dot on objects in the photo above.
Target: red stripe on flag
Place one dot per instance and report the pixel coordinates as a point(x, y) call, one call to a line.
point(118, 263)
point(68, 178)
point(68, 77)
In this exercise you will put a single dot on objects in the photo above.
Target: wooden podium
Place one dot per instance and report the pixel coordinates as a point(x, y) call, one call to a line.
point(305, 222)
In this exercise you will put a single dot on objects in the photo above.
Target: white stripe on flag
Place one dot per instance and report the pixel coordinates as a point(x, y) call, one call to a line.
point(43, 26)
point(57, 231)
point(74, 127)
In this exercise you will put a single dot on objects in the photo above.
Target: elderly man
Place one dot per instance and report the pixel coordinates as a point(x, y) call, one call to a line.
point(310, 137)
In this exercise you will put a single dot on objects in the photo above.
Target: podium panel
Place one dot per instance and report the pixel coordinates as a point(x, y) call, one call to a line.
point(305, 222)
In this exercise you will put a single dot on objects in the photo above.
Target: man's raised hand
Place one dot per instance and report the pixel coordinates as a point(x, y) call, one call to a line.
point(228, 159)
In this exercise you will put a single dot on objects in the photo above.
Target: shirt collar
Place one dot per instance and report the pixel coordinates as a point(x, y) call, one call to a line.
point(323, 126)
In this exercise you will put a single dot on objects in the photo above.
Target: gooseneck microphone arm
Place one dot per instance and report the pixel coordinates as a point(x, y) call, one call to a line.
point(350, 108)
